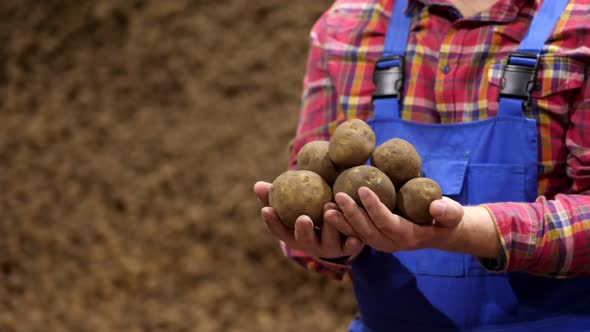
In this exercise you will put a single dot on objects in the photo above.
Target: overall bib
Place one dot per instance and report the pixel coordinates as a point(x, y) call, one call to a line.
point(491, 160)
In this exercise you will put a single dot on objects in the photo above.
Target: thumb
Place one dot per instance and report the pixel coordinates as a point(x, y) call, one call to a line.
point(446, 212)
point(261, 189)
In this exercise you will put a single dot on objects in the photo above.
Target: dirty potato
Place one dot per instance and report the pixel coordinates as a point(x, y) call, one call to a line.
point(414, 198)
point(296, 193)
point(314, 157)
point(352, 144)
point(398, 159)
point(352, 179)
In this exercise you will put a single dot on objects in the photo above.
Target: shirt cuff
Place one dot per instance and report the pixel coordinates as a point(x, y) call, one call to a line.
point(500, 262)
point(497, 264)
point(344, 260)
point(335, 269)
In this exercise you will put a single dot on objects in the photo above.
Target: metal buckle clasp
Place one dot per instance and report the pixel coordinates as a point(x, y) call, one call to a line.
point(389, 77)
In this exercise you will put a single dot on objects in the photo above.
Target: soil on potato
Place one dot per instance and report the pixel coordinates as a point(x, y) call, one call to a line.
point(131, 133)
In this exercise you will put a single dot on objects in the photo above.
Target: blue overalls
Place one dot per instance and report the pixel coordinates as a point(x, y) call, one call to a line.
point(491, 160)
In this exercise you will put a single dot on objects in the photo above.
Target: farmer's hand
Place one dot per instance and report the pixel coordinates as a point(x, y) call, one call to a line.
point(330, 244)
point(456, 228)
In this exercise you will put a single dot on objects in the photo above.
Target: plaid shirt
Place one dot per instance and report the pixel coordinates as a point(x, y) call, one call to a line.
point(454, 67)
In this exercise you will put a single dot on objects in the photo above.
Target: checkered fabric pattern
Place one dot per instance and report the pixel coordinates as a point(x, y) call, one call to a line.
point(453, 67)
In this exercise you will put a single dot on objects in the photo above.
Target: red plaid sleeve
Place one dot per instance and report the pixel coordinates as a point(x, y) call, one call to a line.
point(319, 100)
point(548, 237)
point(552, 237)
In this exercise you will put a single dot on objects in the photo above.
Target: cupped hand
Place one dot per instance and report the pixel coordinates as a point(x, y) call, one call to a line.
point(329, 243)
point(385, 231)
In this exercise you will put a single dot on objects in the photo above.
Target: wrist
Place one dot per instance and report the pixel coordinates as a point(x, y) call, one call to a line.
point(475, 234)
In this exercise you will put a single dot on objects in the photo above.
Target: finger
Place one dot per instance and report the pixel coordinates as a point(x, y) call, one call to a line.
point(446, 212)
point(331, 242)
point(379, 214)
point(305, 235)
point(337, 220)
point(352, 246)
point(357, 218)
point(404, 233)
point(276, 227)
point(261, 189)
point(331, 206)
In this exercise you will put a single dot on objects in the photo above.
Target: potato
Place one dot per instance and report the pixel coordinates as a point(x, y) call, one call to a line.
point(352, 179)
point(414, 198)
point(313, 156)
point(296, 193)
point(398, 159)
point(352, 144)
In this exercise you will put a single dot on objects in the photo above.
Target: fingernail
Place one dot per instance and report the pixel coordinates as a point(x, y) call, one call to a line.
point(363, 193)
point(327, 214)
point(341, 200)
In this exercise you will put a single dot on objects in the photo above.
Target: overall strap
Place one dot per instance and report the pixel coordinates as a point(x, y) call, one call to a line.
point(398, 30)
point(519, 77)
point(389, 70)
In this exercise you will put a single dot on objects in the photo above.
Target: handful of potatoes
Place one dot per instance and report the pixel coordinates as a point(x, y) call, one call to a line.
point(326, 168)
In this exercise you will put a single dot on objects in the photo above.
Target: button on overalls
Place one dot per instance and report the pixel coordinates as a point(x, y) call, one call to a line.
point(491, 160)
